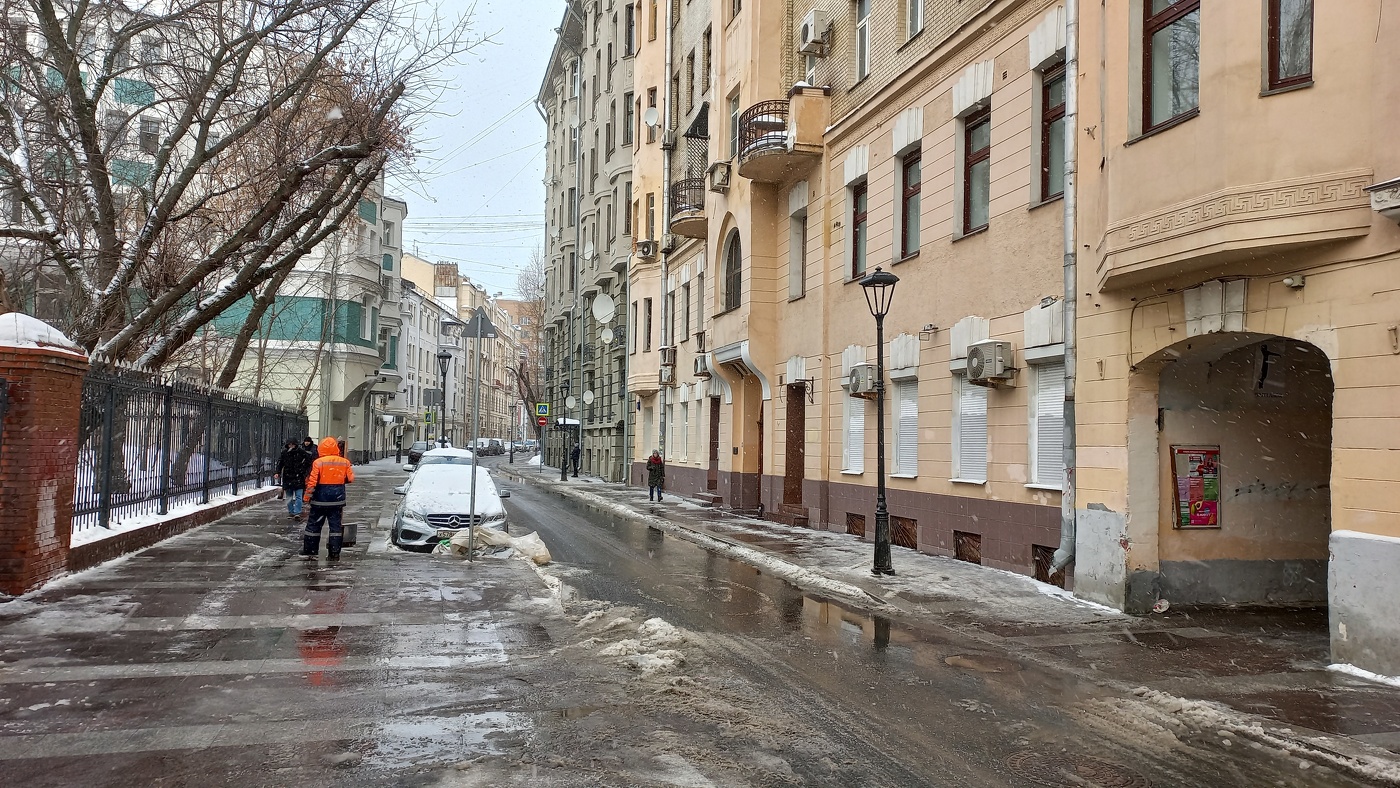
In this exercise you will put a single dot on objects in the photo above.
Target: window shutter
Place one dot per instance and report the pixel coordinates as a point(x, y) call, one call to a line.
point(906, 436)
point(854, 449)
point(1048, 433)
point(972, 431)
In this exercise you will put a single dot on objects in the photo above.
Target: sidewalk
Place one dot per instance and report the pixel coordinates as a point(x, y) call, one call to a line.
point(221, 657)
point(1267, 662)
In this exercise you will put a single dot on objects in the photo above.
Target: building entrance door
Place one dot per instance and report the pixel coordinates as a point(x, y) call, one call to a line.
point(712, 480)
point(796, 443)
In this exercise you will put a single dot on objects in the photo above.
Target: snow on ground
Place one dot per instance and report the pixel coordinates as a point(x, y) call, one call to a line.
point(1352, 670)
point(89, 535)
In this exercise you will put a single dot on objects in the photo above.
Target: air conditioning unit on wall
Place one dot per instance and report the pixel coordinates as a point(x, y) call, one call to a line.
point(646, 248)
point(702, 367)
point(811, 34)
point(668, 376)
point(989, 362)
point(862, 381)
point(668, 355)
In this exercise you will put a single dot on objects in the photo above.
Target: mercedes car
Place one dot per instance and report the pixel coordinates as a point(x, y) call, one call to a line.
point(437, 504)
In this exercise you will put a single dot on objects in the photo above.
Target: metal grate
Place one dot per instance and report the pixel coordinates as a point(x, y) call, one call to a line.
point(967, 547)
point(904, 532)
point(453, 520)
point(1043, 557)
point(855, 524)
point(763, 127)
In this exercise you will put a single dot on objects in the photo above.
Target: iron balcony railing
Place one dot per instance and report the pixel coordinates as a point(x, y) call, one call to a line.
point(763, 127)
point(687, 195)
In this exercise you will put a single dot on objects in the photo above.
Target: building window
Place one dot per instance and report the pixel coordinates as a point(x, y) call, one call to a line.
point(977, 169)
point(797, 257)
point(735, 6)
point(629, 117)
point(670, 338)
point(1047, 420)
point(862, 39)
point(913, 17)
point(969, 431)
point(733, 272)
point(911, 181)
point(573, 78)
point(734, 125)
point(572, 209)
point(646, 337)
point(690, 81)
point(860, 227)
point(651, 21)
point(632, 331)
point(705, 62)
point(685, 431)
point(700, 305)
point(629, 41)
point(651, 216)
point(627, 208)
point(906, 431)
point(1290, 43)
point(1171, 46)
point(150, 135)
point(685, 311)
point(651, 104)
point(1052, 133)
point(853, 445)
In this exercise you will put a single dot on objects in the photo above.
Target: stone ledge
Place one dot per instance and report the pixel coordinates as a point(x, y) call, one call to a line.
point(89, 555)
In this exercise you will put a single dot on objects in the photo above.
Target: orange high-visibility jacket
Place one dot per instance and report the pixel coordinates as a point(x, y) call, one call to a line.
point(325, 485)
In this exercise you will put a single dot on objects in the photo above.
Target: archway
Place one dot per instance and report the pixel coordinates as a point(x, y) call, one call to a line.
point(1244, 426)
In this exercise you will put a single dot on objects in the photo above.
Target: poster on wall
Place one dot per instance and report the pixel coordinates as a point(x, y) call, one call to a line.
point(1196, 472)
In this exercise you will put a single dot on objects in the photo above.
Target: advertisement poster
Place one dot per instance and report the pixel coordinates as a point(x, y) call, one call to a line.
point(1196, 471)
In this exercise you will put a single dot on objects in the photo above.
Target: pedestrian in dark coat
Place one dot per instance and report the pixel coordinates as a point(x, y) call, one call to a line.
point(292, 467)
point(656, 475)
point(574, 455)
point(325, 491)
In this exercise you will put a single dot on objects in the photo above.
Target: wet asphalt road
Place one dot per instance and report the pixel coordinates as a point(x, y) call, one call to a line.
point(897, 704)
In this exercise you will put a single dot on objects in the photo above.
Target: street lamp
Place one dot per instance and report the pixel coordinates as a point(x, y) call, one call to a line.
point(444, 358)
point(879, 291)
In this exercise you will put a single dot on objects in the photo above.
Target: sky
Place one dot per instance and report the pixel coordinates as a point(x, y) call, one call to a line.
point(478, 198)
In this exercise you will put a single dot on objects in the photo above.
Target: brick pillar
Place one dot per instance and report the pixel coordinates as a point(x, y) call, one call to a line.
point(38, 451)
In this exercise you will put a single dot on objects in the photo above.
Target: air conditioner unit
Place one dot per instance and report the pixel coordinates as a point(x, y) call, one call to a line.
point(989, 362)
point(668, 376)
point(646, 248)
point(862, 381)
point(702, 367)
point(669, 243)
point(719, 177)
point(811, 34)
point(668, 355)
point(668, 139)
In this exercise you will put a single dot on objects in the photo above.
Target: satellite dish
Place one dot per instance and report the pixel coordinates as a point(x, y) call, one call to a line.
point(606, 335)
point(570, 401)
point(651, 117)
point(588, 398)
point(604, 308)
point(589, 251)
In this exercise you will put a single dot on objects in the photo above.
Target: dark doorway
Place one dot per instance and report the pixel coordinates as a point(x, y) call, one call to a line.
point(796, 443)
point(712, 480)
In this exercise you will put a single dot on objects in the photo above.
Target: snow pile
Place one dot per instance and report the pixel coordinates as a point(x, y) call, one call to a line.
point(21, 330)
point(535, 460)
point(658, 633)
point(590, 618)
point(648, 649)
point(622, 648)
point(1360, 673)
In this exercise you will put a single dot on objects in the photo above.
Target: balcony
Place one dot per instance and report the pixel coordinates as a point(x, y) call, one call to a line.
point(781, 140)
point(688, 208)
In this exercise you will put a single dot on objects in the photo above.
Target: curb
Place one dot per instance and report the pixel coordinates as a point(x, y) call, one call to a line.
point(1343, 754)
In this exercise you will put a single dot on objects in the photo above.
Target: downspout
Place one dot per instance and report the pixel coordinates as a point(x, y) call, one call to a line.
point(666, 100)
point(1065, 555)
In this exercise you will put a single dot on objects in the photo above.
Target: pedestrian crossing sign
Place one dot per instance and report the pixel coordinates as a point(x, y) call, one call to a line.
point(541, 408)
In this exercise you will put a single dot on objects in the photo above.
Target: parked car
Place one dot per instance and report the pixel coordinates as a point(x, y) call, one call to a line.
point(437, 504)
point(495, 447)
point(415, 452)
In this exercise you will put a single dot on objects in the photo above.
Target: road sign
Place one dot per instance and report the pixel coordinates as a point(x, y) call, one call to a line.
point(541, 408)
point(542, 420)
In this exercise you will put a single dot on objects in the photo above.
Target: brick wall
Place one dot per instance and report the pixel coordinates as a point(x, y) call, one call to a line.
point(38, 452)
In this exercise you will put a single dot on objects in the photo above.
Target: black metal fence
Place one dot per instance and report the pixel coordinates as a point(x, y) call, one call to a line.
point(149, 444)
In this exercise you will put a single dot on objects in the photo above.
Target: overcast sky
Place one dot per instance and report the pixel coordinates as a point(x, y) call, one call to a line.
point(479, 199)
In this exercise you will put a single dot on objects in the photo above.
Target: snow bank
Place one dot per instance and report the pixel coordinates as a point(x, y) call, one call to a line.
point(21, 330)
point(1352, 670)
point(657, 633)
point(128, 524)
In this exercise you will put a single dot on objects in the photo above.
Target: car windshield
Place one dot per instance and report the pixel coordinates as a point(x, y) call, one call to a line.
point(418, 446)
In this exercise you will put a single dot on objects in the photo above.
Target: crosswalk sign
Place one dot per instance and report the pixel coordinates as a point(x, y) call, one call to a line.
point(542, 409)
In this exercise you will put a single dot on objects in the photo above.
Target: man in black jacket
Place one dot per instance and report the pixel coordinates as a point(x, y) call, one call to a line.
point(292, 467)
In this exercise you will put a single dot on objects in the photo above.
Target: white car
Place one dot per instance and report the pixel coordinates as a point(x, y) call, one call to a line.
point(437, 504)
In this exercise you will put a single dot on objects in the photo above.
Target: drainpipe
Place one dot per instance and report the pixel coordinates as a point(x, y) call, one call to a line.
point(1065, 555)
point(666, 157)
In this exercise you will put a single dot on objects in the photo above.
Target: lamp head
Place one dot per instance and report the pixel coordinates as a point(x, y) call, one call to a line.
point(879, 291)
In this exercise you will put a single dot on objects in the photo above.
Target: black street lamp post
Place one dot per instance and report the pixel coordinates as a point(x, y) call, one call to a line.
point(564, 441)
point(444, 358)
point(879, 291)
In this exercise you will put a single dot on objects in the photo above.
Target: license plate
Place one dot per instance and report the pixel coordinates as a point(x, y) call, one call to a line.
point(445, 534)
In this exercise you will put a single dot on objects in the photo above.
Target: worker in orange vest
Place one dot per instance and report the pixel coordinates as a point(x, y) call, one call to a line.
point(325, 492)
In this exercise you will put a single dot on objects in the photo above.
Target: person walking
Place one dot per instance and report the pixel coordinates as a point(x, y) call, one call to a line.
point(574, 455)
point(292, 467)
point(325, 491)
point(656, 475)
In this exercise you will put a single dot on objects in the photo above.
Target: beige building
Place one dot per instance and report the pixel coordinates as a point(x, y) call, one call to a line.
point(1238, 356)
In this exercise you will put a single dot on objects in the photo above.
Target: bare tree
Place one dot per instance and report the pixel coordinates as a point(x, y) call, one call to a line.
point(173, 158)
point(529, 286)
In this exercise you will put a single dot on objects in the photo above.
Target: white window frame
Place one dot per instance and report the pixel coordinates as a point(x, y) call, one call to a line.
point(906, 428)
point(1052, 372)
point(734, 125)
point(961, 473)
point(797, 255)
point(913, 18)
point(852, 435)
point(862, 49)
point(685, 431)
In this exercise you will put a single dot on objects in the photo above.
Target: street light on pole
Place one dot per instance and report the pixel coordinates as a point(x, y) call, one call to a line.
point(444, 358)
point(879, 292)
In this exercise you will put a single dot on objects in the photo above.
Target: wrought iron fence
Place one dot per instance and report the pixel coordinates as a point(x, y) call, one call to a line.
point(149, 444)
point(763, 127)
point(687, 194)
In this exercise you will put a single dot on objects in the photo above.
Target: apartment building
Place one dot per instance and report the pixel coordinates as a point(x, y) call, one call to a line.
point(1238, 359)
point(587, 102)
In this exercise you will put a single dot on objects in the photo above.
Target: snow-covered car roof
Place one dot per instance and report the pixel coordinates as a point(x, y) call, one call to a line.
point(447, 452)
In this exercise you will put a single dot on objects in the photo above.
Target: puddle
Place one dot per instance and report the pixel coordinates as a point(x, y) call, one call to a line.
point(418, 741)
point(982, 663)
